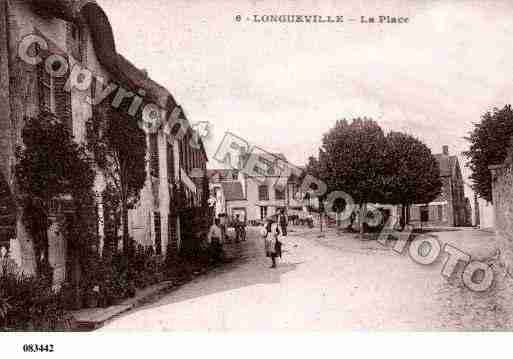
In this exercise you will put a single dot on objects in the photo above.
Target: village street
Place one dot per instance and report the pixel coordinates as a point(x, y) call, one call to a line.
point(331, 283)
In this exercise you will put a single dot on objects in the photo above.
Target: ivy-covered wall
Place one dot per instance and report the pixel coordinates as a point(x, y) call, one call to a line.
point(502, 191)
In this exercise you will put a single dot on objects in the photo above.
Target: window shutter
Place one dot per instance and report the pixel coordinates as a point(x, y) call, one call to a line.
point(181, 152)
point(170, 164)
point(63, 108)
point(154, 156)
point(44, 88)
point(263, 193)
point(158, 236)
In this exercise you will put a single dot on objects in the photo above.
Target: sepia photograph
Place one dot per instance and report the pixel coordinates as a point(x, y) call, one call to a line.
point(246, 166)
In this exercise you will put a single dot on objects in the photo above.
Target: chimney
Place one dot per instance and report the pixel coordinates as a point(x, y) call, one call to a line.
point(445, 150)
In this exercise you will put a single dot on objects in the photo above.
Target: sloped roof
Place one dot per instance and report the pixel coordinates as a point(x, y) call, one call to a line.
point(90, 13)
point(446, 163)
point(232, 190)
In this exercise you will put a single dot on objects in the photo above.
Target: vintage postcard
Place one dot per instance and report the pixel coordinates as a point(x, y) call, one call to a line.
point(240, 166)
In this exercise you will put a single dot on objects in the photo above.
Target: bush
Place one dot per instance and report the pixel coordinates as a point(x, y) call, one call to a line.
point(29, 304)
point(119, 277)
point(194, 257)
point(145, 267)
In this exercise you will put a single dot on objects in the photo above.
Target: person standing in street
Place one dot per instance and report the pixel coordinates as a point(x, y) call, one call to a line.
point(215, 241)
point(237, 224)
point(222, 225)
point(282, 220)
point(271, 242)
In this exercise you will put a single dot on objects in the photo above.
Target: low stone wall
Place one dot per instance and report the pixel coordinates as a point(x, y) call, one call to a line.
point(502, 189)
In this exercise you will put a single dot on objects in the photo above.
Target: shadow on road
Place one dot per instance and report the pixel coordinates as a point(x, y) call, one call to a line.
point(246, 266)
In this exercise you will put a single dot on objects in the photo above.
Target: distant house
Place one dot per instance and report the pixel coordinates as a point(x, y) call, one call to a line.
point(450, 207)
point(227, 187)
point(258, 194)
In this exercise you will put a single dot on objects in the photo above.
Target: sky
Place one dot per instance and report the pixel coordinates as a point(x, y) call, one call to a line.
point(281, 86)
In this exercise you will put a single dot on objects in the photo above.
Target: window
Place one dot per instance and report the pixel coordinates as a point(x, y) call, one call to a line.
point(279, 193)
point(158, 236)
point(263, 193)
point(154, 155)
point(269, 167)
point(440, 212)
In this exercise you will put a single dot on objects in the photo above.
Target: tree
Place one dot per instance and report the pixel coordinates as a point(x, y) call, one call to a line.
point(119, 148)
point(351, 160)
point(412, 174)
point(489, 141)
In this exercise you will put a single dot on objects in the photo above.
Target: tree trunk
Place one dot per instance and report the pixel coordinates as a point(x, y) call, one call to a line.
point(124, 214)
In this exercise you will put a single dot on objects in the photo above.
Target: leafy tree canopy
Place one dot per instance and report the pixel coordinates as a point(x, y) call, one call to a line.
point(489, 142)
point(357, 158)
point(351, 159)
point(412, 174)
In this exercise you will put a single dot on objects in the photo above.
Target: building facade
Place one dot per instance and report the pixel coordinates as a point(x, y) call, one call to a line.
point(255, 195)
point(97, 76)
point(450, 207)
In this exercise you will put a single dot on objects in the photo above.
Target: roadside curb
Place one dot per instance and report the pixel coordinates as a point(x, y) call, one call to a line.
point(91, 319)
point(95, 318)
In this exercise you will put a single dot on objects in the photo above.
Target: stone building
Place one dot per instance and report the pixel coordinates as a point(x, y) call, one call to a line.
point(450, 207)
point(228, 189)
point(257, 194)
point(78, 32)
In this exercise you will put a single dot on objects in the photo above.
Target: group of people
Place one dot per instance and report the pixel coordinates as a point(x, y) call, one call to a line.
point(270, 231)
point(217, 235)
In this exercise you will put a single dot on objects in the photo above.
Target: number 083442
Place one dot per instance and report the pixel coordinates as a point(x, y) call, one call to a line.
point(38, 348)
